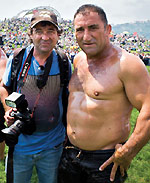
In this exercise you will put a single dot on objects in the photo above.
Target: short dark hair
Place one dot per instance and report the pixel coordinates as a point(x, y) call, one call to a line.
point(93, 8)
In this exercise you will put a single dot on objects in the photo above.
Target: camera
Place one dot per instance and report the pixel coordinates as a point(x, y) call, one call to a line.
point(22, 116)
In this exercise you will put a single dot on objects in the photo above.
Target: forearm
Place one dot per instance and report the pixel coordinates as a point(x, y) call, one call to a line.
point(2, 67)
point(138, 138)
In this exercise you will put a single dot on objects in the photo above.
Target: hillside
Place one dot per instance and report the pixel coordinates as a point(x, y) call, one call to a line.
point(141, 27)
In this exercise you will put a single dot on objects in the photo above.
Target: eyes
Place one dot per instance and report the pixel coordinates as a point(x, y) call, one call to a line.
point(40, 32)
point(90, 28)
point(80, 29)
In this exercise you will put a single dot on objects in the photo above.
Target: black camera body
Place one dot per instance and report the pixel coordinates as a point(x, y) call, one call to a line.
point(22, 116)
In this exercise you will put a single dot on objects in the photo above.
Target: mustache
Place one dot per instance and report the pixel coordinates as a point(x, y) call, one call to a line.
point(87, 42)
point(45, 41)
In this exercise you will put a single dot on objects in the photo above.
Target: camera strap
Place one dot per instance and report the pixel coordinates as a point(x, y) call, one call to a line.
point(25, 69)
point(42, 79)
point(23, 74)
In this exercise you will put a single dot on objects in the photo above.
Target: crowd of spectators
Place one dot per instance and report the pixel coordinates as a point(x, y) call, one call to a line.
point(14, 34)
point(135, 44)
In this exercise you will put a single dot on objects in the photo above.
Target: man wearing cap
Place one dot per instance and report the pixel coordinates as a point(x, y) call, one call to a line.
point(43, 148)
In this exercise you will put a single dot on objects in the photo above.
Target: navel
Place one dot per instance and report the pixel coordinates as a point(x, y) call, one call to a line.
point(96, 93)
point(73, 132)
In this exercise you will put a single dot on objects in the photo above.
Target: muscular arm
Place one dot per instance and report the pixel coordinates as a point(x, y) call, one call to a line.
point(136, 81)
point(137, 86)
point(2, 67)
point(3, 90)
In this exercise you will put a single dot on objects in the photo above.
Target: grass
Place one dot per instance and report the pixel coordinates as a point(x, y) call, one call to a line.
point(2, 172)
point(139, 171)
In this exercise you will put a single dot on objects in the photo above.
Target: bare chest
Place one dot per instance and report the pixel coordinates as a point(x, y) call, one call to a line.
point(96, 81)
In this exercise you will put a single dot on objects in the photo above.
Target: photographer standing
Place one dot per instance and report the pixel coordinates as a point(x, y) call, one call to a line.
point(40, 80)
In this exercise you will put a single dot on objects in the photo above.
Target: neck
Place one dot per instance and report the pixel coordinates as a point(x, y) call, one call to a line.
point(41, 57)
point(104, 54)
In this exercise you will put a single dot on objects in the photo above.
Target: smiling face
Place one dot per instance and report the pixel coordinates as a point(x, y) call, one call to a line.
point(44, 37)
point(91, 33)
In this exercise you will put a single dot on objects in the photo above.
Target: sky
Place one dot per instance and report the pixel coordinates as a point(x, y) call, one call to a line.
point(117, 11)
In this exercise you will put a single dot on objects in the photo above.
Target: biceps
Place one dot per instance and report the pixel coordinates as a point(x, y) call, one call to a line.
point(138, 92)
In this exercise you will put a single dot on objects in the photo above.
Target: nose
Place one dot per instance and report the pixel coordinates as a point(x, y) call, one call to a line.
point(45, 36)
point(87, 35)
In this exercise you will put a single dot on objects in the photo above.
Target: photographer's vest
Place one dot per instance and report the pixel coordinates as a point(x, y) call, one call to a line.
point(62, 80)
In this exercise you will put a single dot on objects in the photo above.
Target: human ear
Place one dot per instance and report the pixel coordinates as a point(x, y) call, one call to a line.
point(108, 28)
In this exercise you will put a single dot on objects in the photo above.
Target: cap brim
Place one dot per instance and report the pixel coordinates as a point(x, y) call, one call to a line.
point(44, 20)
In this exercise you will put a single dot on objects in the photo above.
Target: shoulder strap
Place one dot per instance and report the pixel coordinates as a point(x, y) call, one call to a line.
point(64, 80)
point(16, 64)
point(64, 68)
point(41, 80)
point(25, 69)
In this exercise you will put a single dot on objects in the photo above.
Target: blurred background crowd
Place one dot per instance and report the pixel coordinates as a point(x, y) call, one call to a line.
point(13, 34)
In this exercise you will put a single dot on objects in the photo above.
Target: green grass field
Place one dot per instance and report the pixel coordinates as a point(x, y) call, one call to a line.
point(139, 171)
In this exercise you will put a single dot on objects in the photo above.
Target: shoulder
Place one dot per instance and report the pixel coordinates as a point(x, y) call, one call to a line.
point(3, 59)
point(2, 67)
point(80, 56)
point(61, 54)
point(2, 55)
point(17, 51)
point(130, 61)
point(131, 65)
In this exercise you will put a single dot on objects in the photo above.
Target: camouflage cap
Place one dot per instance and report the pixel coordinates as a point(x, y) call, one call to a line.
point(44, 15)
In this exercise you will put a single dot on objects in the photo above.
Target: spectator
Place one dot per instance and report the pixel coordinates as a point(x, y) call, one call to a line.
point(40, 147)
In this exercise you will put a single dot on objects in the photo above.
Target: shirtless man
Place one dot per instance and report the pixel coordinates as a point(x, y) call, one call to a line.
point(3, 60)
point(106, 84)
